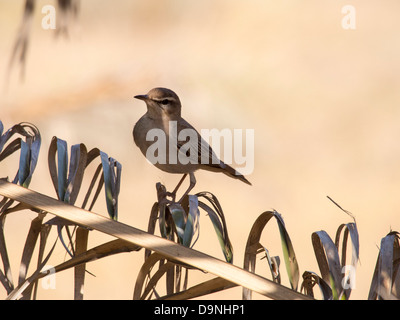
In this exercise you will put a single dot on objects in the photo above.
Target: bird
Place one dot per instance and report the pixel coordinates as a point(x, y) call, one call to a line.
point(163, 112)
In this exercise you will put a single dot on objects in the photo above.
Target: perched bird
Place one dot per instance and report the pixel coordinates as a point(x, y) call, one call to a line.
point(183, 157)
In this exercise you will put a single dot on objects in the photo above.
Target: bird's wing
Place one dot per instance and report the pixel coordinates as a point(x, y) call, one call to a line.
point(204, 153)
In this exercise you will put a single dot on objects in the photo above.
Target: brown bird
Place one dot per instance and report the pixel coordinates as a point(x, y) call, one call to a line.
point(184, 157)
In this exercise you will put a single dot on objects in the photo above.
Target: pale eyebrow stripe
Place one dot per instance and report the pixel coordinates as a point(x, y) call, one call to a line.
point(159, 100)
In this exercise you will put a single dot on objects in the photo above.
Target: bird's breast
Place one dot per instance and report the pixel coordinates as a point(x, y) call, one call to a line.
point(157, 140)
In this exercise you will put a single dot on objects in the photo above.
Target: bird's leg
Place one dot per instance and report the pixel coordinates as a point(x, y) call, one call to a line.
point(173, 193)
point(191, 185)
point(179, 184)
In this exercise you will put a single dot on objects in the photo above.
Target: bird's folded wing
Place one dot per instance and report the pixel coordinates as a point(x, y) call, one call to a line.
point(202, 151)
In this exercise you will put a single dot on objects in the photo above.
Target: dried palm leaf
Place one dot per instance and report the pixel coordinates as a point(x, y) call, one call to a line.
point(385, 282)
point(253, 245)
point(28, 141)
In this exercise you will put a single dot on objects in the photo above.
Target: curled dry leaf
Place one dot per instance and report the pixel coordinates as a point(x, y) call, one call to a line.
point(386, 279)
point(28, 141)
point(253, 245)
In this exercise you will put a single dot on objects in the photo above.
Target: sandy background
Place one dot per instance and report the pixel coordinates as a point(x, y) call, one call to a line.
point(323, 102)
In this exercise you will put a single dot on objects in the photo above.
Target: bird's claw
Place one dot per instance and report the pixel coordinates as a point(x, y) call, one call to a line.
point(172, 195)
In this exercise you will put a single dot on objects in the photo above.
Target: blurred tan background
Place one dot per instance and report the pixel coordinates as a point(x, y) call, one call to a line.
point(323, 102)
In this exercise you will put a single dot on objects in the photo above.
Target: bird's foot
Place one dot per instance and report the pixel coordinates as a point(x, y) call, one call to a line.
point(172, 195)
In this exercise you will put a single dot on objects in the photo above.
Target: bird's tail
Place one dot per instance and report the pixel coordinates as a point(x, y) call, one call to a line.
point(231, 172)
point(228, 170)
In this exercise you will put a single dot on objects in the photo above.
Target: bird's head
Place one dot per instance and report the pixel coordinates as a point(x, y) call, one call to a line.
point(162, 100)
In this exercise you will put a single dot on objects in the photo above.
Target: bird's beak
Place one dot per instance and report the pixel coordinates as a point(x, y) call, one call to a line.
point(142, 97)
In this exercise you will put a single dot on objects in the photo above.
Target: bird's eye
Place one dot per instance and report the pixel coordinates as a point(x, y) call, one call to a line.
point(165, 101)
